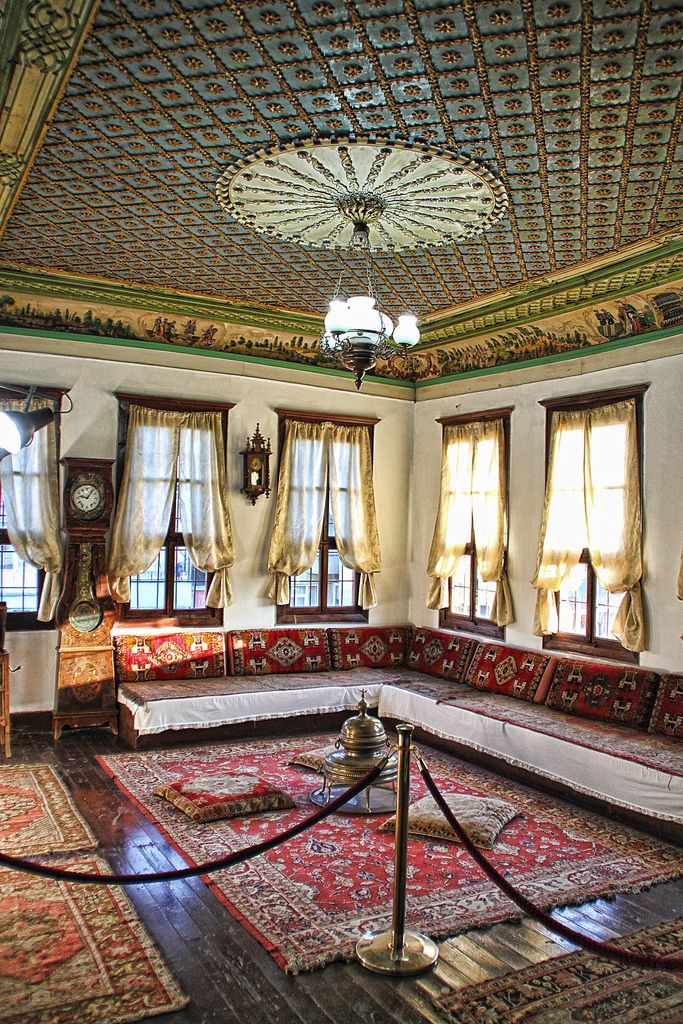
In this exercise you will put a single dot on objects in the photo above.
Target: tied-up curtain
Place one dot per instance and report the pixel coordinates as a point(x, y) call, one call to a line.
point(473, 496)
point(30, 489)
point(203, 499)
point(593, 500)
point(300, 504)
point(352, 501)
point(159, 444)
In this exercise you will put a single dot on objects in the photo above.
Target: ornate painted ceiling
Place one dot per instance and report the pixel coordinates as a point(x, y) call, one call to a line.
point(574, 106)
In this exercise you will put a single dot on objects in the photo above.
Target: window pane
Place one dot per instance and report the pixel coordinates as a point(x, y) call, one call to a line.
point(606, 608)
point(330, 524)
point(573, 607)
point(148, 588)
point(486, 593)
point(340, 580)
point(18, 582)
point(304, 588)
point(461, 591)
point(189, 583)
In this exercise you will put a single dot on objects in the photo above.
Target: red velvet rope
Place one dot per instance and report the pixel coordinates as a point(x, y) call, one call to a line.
point(603, 949)
point(238, 857)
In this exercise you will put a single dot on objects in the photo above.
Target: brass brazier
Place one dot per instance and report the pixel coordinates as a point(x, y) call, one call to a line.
point(362, 743)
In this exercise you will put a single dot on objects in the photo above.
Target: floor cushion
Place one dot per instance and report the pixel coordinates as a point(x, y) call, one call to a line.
point(509, 670)
point(208, 796)
point(255, 652)
point(311, 758)
point(482, 818)
point(439, 653)
point(667, 714)
point(368, 646)
point(607, 693)
point(169, 656)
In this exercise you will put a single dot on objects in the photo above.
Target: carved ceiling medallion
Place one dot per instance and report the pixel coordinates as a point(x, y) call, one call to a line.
point(409, 196)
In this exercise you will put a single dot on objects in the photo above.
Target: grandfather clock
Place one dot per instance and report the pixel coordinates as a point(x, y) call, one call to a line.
point(86, 694)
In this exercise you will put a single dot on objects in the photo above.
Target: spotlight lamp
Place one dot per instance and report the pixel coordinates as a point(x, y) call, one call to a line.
point(18, 427)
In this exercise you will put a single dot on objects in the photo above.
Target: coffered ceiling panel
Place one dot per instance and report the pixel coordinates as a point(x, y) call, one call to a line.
point(574, 106)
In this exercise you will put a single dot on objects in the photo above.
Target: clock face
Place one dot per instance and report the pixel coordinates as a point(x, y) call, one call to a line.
point(86, 497)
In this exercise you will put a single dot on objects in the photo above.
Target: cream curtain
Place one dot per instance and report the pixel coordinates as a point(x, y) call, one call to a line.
point(30, 489)
point(593, 500)
point(203, 500)
point(310, 449)
point(473, 495)
point(145, 496)
point(352, 501)
point(160, 445)
point(300, 504)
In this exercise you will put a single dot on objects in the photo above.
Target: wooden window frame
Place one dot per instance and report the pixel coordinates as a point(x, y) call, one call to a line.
point(26, 622)
point(472, 623)
point(606, 648)
point(168, 616)
point(285, 614)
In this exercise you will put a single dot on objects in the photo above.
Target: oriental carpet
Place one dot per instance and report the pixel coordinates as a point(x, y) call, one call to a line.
point(75, 953)
point(37, 814)
point(308, 901)
point(579, 987)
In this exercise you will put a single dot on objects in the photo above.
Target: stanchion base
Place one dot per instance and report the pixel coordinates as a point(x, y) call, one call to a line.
point(419, 953)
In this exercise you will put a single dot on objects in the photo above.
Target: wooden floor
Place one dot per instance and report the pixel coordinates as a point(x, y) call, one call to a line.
point(230, 978)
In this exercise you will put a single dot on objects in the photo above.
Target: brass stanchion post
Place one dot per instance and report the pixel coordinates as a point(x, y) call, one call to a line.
point(397, 951)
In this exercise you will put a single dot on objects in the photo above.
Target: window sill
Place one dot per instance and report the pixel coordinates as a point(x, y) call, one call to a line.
point(602, 651)
point(28, 625)
point(135, 621)
point(290, 618)
point(481, 627)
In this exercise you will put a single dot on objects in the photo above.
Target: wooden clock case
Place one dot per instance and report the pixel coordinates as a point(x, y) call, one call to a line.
point(86, 693)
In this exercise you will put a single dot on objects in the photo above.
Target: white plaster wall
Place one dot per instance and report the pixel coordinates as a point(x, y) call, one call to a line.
point(91, 431)
point(662, 482)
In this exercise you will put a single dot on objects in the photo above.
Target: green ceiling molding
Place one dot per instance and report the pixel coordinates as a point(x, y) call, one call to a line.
point(39, 44)
point(112, 293)
point(540, 299)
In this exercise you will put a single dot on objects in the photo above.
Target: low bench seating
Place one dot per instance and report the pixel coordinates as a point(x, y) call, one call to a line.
point(608, 732)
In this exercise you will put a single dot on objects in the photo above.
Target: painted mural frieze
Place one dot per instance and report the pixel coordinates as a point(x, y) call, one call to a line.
point(622, 320)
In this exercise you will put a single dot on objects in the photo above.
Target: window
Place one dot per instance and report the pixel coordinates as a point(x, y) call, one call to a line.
point(172, 591)
point(585, 609)
point(328, 591)
point(21, 584)
point(471, 598)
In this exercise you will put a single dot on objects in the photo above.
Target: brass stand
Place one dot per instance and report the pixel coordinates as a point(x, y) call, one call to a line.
point(397, 951)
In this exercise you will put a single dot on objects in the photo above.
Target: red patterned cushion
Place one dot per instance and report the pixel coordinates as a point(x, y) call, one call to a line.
point(369, 646)
point(439, 653)
point(607, 693)
point(209, 795)
point(667, 714)
point(258, 652)
point(501, 669)
point(169, 656)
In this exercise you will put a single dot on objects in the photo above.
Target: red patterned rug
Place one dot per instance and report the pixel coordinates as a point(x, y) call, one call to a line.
point(308, 901)
point(73, 953)
point(578, 987)
point(37, 814)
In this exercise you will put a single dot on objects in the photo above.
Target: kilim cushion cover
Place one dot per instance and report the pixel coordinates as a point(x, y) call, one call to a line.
point(667, 714)
point(481, 817)
point(169, 656)
point(207, 796)
point(439, 653)
point(311, 758)
point(522, 674)
point(369, 646)
point(257, 652)
point(607, 693)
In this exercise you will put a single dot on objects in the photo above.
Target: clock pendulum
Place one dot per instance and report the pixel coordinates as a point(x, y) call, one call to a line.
point(85, 693)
